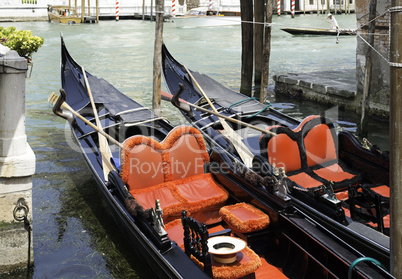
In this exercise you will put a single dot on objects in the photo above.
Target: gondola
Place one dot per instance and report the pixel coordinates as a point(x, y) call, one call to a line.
point(319, 31)
point(357, 176)
point(174, 202)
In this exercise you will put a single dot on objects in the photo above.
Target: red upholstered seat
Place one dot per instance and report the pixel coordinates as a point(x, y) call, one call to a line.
point(308, 154)
point(171, 171)
point(382, 190)
point(244, 218)
point(305, 180)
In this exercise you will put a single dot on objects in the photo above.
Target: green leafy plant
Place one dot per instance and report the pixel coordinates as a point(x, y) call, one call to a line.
point(21, 41)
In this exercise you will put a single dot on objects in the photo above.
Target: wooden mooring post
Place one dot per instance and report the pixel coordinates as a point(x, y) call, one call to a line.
point(266, 52)
point(17, 166)
point(247, 55)
point(157, 73)
point(396, 137)
point(363, 129)
point(259, 17)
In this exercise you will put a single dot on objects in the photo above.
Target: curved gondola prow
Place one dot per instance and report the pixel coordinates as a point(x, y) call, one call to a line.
point(72, 79)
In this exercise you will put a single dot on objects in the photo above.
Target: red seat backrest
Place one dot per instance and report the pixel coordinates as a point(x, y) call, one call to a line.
point(282, 149)
point(311, 143)
point(187, 152)
point(142, 162)
point(319, 142)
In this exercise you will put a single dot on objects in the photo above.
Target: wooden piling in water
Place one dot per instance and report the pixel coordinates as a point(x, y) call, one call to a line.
point(82, 11)
point(266, 52)
point(97, 11)
point(246, 8)
point(157, 73)
point(259, 17)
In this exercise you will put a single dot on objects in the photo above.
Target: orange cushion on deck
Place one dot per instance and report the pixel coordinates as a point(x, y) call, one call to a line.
point(247, 262)
point(244, 217)
point(382, 190)
point(171, 202)
point(305, 180)
point(200, 191)
point(176, 232)
point(334, 173)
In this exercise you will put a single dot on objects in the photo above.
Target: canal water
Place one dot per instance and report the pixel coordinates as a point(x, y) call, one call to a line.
point(74, 236)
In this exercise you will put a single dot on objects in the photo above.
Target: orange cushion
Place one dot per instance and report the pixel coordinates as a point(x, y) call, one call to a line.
point(334, 173)
point(244, 217)
point(343, 195)
point(247, 262)
point(305, 180)
point(171, 202)
point(284, 152)
point(200, 191)
point(176, 232)
point(382, 190)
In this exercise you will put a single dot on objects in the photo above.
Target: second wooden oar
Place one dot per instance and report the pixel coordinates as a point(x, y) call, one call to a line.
point(169, 97)
point(103, 144)
point(244, 153)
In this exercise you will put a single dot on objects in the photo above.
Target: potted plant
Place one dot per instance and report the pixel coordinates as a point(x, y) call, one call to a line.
point(21, 41)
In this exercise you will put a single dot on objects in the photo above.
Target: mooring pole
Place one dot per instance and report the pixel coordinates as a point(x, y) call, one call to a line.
point(143, 9)
point(259, 16)
point(266, 52)
point(367, 74)
point(82, 11)
point(97, 11)
point(156, 100)
point(247, 53)
point(152, 10)
point(396, 137)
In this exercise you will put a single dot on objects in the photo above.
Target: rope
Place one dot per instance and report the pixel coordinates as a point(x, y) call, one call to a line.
point(257, 113)
point(242, 101)
point(367, 23)
point(367, 43)
point(389, 11)
point(248, 99)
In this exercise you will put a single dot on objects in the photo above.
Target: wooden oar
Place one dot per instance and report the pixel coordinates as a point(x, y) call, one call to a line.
point(103, 144)
point(53, 100)
point(241, 148)
point(169, 97)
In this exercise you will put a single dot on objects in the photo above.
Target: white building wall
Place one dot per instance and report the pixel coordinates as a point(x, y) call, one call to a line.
point(321, 5)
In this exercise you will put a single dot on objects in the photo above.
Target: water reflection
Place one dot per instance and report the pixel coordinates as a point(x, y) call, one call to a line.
point(74, 236)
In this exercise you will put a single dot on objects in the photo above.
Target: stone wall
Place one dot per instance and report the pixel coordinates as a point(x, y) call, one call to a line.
point(380, 82)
